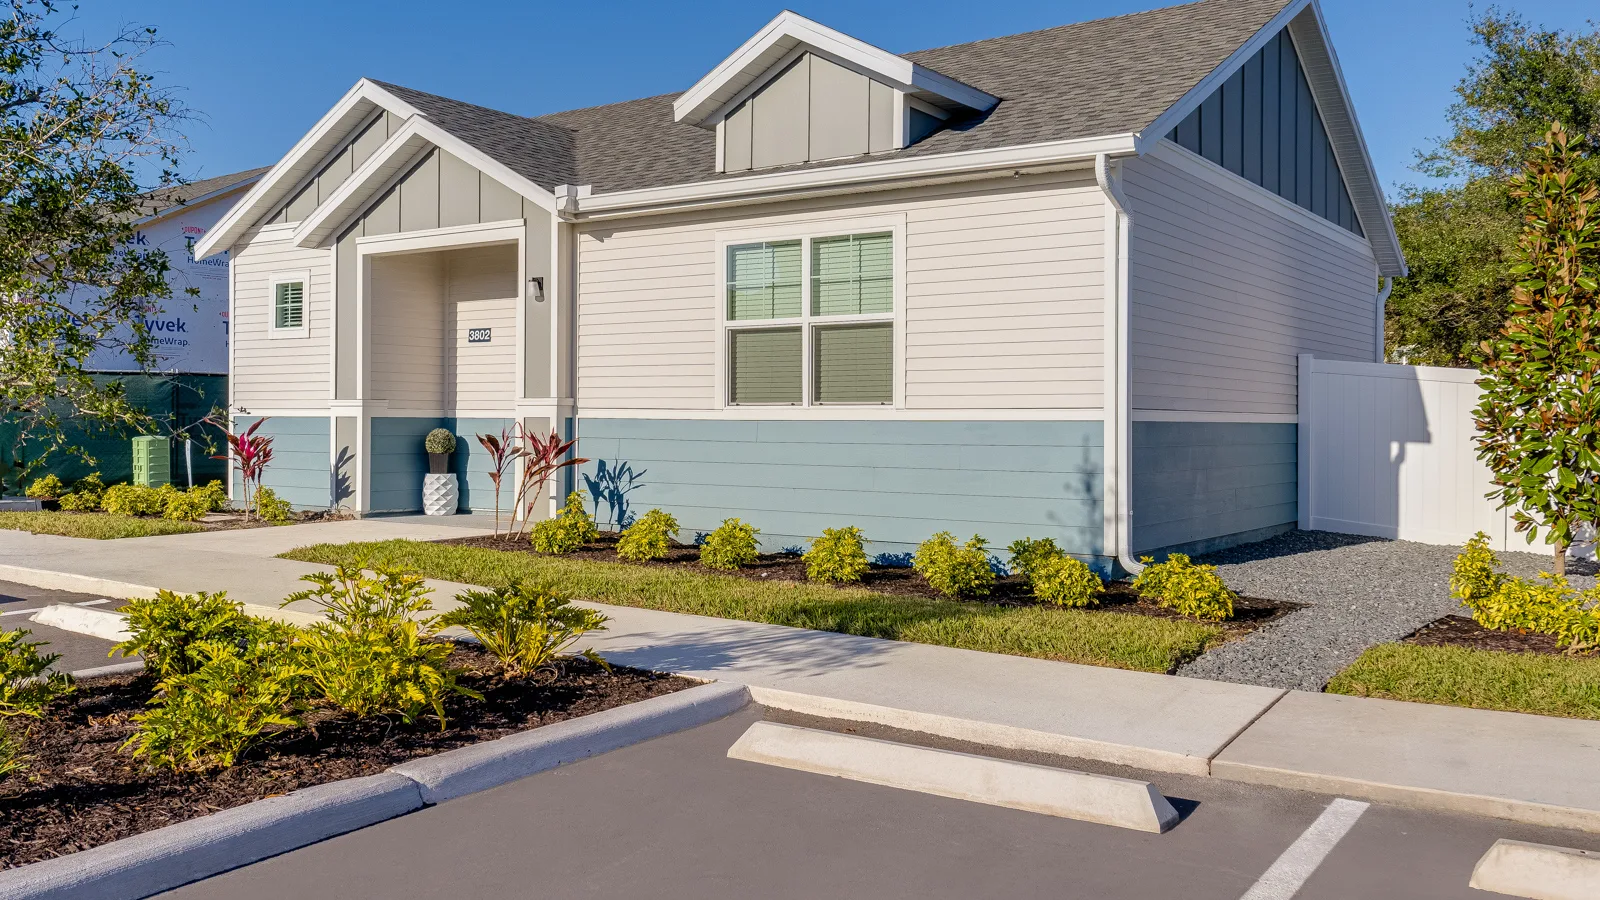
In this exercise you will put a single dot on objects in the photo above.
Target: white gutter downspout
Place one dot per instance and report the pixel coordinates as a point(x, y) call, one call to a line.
point(1383, 300)
point(1118, 413)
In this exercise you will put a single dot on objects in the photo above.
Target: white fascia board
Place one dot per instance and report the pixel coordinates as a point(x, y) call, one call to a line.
point(196, 202)
point(1208, 85)
point(353, 107)
point(788, 30)
point(846, 178)
point(389, 163)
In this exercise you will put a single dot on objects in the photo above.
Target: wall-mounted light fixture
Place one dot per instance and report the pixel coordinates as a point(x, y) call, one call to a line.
point(538, 288)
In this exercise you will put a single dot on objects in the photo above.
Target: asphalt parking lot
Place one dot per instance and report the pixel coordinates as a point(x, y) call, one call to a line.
point(18, 602)
point(674, 817)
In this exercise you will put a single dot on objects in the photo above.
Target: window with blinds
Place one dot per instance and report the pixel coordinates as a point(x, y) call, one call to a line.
point(288, 304)
point(835, 348)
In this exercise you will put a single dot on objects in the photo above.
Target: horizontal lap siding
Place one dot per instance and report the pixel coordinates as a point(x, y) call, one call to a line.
point(482, 290)
point(408, 331)
point(1196, 483)
point(399, 462)
point(1226, 293)
point(1004, 293)
point(301, 467)
point(287, 372)
point(899, 481)
point(472, 465)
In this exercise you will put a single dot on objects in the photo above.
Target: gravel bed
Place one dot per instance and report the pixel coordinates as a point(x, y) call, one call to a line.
point(1358, 592)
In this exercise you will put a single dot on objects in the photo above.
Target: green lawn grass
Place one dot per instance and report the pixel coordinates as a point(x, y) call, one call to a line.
point(99, 526)
point(1482, 679)
point(1119, 640)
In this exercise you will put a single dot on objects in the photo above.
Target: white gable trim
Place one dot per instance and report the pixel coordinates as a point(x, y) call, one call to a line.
point(389, 163)
point(1304, 22)
point(756, 57)
point(278, 183)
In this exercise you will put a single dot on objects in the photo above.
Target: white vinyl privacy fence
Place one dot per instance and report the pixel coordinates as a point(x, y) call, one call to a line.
point(1388, 451)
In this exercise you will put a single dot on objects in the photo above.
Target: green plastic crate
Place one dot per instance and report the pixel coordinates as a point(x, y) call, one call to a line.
point(152, 461)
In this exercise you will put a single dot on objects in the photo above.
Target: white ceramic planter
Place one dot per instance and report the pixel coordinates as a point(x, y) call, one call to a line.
point(440, 494)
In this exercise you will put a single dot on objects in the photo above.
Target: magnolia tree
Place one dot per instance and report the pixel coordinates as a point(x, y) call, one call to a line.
point(1539, 417)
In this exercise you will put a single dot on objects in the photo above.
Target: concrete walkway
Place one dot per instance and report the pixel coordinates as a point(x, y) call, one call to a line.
point(1499, 764)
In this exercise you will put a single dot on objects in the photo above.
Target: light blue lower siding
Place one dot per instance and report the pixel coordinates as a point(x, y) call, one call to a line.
point(899, 481)
point(1201, 486)
point(301, 468)
point(472, 464)
point(398, 462)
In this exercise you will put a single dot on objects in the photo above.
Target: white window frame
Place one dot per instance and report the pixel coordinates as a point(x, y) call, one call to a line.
point(277, 278)
point(808, 323)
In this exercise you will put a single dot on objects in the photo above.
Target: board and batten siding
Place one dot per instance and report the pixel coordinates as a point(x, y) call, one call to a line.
point(279, 372)
point(1227, 291)
point(1004, 296)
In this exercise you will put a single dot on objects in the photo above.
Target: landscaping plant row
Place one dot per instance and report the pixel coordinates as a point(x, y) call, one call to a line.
point(958, 570)
point(90, 494)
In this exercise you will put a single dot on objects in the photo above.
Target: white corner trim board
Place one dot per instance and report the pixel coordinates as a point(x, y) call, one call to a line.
point(1538, 871)
point(1102, 799)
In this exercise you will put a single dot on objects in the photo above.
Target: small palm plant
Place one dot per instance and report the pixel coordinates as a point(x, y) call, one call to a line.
point(526, 627)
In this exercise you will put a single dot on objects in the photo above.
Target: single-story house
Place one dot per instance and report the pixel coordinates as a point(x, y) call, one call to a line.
point(1052, 284)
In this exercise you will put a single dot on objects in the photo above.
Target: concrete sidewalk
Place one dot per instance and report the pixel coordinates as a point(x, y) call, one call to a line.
point(1498, 764)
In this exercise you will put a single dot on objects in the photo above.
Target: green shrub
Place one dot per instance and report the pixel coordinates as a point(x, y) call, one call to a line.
point(439, 440)
point(375, 655)
point(169, 629)
point(1065, 581)
point(272, 509)
point(1028, 553)
point(571, 528)
point(11, 758)
point(133, 500)
point(1503, 602)
point(1186, 588)
point(732, 546)
point(525, 627)
point(191, 506)
point(26, 684)
point(47, 488)
point(649, 537)
point(215, 493)
point(86, 494)
point(207, 718)
point(840, 555)
point(955, 570)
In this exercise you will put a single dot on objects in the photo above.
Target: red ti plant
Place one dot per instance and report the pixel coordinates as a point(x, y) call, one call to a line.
point(542, 458)
point(503, 452)
point(251, 452)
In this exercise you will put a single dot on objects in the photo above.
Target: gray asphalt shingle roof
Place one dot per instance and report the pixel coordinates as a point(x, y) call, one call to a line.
point(164, 198)
point(1108, 76)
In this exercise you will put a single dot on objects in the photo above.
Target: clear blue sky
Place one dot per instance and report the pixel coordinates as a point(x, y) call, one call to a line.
point(261, 73)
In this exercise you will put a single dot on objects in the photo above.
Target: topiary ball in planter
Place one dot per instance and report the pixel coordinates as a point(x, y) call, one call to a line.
point(439, 443)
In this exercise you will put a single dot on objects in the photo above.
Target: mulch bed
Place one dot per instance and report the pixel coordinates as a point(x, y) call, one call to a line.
point(1461, 631)
point(80, 791)
point(1249, 613)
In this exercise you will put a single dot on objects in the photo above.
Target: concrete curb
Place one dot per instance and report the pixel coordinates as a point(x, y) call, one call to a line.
point(163, 859)
point(122, 668)
point(1008, 737)
point(68, 581)
point(1102, 799)
point(98, 623)
point(1538, 871)
point(479, 767)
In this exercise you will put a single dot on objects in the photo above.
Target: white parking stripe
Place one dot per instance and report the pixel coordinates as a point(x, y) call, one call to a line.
point(18, 612)
point(91, 602)
point(1286, 876)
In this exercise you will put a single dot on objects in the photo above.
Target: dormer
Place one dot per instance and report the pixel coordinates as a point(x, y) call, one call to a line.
point(800, 92)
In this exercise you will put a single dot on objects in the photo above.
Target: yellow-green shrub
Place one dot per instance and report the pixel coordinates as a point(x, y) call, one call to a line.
point(839, 555)
point(1065, 581)
point(732, 546)
point(1186, 588)
point(47, 488)
point(214, 492)
point(1026, 553)
point(955, 570)
point(571, 528)
point(167, 630)
point(1501, 602)
point(526, 627)
point(649, 537)
point(133, 500)
point(271, 508)
point(26, 683)
point(85, 495)
point(11, 758)
point(189, 506)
